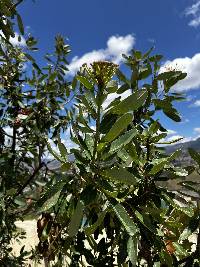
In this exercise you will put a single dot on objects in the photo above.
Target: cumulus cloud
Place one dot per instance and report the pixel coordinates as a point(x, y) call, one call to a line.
point(173, 138)
point(113, 96)
point(177, 136)
point(170, 132)
point(197, 130)
point(189, 65)
point(194, 12)
point(16, 40)
point(116, 46)
point(197, 103)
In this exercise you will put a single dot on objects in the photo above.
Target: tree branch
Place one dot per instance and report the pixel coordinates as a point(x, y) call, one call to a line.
point(20, 190)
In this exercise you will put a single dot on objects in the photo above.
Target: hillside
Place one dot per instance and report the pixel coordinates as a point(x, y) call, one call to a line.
point(184, 158)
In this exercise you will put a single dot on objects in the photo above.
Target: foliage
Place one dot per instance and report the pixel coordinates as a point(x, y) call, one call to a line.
point(32, 109)
point(104, 205)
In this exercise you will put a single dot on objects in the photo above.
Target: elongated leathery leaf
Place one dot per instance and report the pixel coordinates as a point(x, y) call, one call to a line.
point(125, 219)
point(131, 103)
point(62, 148)
point(159, 164)
point(85, 82)
point(195, 155)
point(132, 249)
point(76, 220)
point(122, 140)
point(120, 175)
point(90, 230)
point(50, 195)
point(54, 153)
point(118, 127)
point(52, 201)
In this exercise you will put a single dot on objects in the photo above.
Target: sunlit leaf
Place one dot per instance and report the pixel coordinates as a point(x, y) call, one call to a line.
point(122, 140)
point(120, 175)
point(85, 82)
point(131, 103)
point(118, 127)
point(125, 219)
point(76, 220)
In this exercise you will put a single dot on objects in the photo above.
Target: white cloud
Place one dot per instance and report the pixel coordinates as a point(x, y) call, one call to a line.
point(184, 121)
point(169, 132)
point(189, 65)
point(183, 140)
point(116, 46)
point(197, 130)
point(15, 40)
point(113, 96)
point(194, 12)
point(173, 138)
point(197, 103)
point(65, 139)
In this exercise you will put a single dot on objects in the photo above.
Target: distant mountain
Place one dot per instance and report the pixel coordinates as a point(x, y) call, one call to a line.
point(184, 159)
point(195, 144)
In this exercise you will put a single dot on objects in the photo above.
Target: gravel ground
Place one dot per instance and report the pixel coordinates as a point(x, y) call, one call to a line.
point(30, 227)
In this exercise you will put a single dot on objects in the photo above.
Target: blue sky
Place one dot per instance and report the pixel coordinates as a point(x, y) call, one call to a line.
point(102, 29)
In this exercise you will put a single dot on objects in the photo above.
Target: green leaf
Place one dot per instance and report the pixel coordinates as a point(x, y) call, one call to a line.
point(122, 77)
point(195, 155)
point(133, 153)
point(192, 226)
point(179, 249)
point(122, 140)
point(76, 220)
point(120, 175)
point(132, 249)
point(172, 113)
point(29, 57)
point(20, 201)
point(20, 24)
point(174, 155)
point(185, 234)
point(180, 171)
point(159, 164)
point(85, 82)
point(91, 229)
point(165, 75)
point(155, 58)
point(52, 201)
point(171, 142)
point(124, 155)
point(189, 211)
point(55, 154)
point(145, 72)
point(112, 86)
point(88, 195)
point(145, 220)
point(123, 88)
point(107, 122)
point(91, 99)
point(82, 143)
point(131, 103)
point(65, 166)
point(51, 190)
point(62, 149)
point(118, 127)
point(125, 219)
